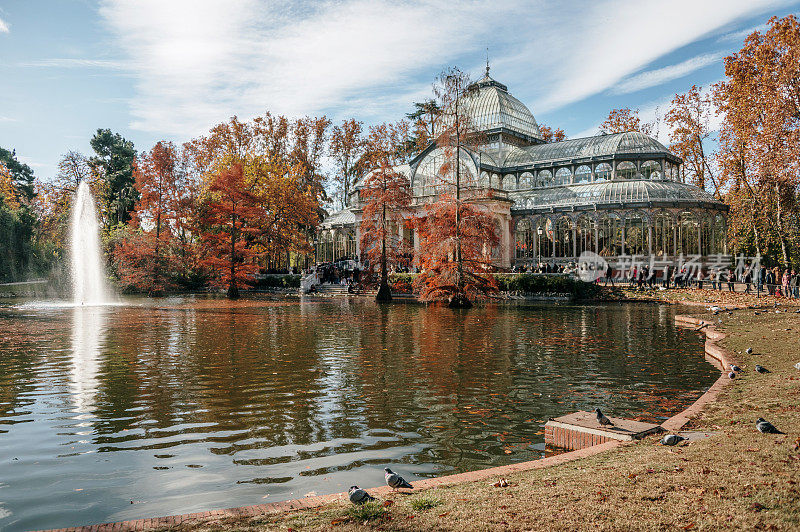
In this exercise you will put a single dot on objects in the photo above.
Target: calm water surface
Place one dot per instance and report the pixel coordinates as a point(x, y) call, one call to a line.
point(182, 405)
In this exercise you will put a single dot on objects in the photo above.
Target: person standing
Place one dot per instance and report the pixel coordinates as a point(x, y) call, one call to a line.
point(760, 277)
point(785, 282)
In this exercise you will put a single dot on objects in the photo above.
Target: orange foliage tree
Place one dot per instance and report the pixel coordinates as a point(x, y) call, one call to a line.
point(386, 195)
point(688, 118)
point(230, 221)
point(457, 233)
point(550, 134)
point(625, 119)
point(760, 139)
point(346, 147)
point(143, 255)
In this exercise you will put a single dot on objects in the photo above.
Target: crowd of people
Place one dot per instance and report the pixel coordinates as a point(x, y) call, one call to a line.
point(761, 280)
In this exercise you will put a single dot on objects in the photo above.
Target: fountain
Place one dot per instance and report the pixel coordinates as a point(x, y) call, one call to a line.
point(88, 274)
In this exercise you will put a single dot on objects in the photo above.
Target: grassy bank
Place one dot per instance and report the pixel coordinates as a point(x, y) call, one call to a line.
point(736, 479)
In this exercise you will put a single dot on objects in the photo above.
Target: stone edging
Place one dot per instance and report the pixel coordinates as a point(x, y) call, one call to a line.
point(675, 423)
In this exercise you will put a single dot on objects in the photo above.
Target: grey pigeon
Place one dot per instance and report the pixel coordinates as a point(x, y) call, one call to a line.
point(359, 496)
point(672, 439)
point(732, 375)
point(395, 481)
point(602, 419)
point(749, 351)
point(766, 427)
point(761, 369)
point(734, 367)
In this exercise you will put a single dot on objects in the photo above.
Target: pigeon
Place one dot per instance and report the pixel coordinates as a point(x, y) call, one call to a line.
point(749, 350)
point(672, 439)
point(359, 496)
point(766, 427)
point(732, 375)
point(395, 481)
point(734, 367)
point(761, 369)
point(602, 419)
point(797, 366)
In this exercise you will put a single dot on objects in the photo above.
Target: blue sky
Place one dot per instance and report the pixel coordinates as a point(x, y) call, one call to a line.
point(170, 69)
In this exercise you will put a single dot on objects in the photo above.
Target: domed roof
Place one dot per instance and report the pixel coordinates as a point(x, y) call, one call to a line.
point(492, 107)
point(616, 144)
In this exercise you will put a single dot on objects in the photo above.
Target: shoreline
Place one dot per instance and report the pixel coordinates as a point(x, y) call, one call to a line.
point(722, 357)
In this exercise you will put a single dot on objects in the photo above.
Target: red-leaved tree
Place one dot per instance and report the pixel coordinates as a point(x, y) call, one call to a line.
point(230, 223)
point(457, 232)
point(386, 194)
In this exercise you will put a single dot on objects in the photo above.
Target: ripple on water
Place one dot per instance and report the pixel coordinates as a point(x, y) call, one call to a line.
point(194, 403)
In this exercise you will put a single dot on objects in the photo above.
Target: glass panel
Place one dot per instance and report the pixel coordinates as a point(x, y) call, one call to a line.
point(583, 174)
point(626, 170)
point(602, 172)
point(563, 176)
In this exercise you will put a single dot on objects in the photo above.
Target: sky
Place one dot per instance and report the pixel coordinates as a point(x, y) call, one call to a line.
point(171, 69)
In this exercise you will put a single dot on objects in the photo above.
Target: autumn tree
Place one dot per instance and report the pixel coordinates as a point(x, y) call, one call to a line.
point(18, 221)
point(550, 134)
point(457, 233)
point(760, 134)
point(689, 117)
point(346, 147)
point(386, 196)
point(144, 256)
point(625, 119)
point(230, 221)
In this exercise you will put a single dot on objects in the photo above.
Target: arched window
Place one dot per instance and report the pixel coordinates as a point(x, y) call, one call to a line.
point(526, 181)
point(544, 237)
point(663, 235)
point(351, 245)
point(563, 176)
point(626, 170)
point(635, 235)
point(583, 174)
point(706, 235)
point(484, 180)
point(339, 247)
point(688, 234)
point(545, 179)
point(651, 170)
point(585, 235)
point(602, 172)
point(509, 182)
point(564, 238)
point(523, 237)
point(609, 235)
point(720, 233)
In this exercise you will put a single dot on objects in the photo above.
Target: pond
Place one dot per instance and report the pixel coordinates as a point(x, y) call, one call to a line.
point(167, 406)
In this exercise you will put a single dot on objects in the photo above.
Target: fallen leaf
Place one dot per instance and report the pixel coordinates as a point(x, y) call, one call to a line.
point(387, 503)
point(444, 514)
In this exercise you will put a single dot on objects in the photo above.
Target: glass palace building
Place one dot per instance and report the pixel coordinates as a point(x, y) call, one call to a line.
point(616, 194)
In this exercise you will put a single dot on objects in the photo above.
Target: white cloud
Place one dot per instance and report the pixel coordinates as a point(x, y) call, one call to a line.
point(7, 119)
point(197, 62)
point(3, 26)
point(653, 78)
point(66, 62)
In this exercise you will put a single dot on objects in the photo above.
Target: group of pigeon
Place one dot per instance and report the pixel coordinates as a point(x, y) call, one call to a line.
point(360, 496)
point(762, 425)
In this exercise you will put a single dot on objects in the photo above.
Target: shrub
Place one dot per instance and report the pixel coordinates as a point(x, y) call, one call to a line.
point(546, 284)
point(278, 281)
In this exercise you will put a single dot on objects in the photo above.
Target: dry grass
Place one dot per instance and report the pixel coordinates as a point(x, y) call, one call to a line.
point(737, 479)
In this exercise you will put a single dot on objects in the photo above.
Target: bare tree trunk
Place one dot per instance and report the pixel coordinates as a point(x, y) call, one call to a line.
point(779, 225)
point(384, 292)
point(233, 290)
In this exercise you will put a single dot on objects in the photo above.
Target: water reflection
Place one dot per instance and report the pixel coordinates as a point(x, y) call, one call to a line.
point(88, 330)
point(188, 404)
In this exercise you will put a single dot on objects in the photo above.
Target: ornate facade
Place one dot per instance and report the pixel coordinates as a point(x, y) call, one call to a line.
point(617, 194)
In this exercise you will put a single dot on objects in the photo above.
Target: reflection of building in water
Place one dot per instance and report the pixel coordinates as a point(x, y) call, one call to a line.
point(612, 194)
point(88, 333)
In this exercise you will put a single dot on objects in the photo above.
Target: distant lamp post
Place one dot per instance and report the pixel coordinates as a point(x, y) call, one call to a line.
point(539, 244)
